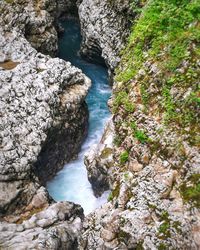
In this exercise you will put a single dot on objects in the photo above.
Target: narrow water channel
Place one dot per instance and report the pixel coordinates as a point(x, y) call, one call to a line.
point(71, 183)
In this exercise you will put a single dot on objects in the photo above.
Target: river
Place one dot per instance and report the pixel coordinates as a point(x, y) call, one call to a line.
point(71, 183)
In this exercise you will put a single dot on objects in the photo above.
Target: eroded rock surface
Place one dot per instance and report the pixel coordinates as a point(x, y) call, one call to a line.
point(104, 28)
point(35, 20)
point(56, 227)
point(99, 159)
point(43, 122)
point(155, 174)
point(41, 99)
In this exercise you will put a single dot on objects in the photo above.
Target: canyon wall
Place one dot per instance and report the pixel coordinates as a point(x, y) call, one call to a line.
point(43, 123)
point(149, 154)
point(154, 162)
point(104, 27)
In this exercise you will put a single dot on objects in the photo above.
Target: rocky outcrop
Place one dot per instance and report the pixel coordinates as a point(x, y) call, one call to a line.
point(145, 209)
point(64, 139)
point(38, 20)
point(41, 99)
point(56, 227)
point(43, 111)
point(104, 28)
point(155, 174)
point(35, 20)
point(98, 161)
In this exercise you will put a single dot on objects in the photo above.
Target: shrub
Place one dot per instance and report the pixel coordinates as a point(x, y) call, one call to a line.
point(124, 157)
point(129, 107)
point(141, 136)
point(190, 190)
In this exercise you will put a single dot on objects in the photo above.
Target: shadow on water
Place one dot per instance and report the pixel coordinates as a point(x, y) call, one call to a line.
point(71, 182)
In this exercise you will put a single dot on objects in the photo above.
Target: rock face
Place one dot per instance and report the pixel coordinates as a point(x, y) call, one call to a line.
point(98, 161)
point(65, 138)
point(104, 27)
point(155, 173)
point(42, 100)
point(43, 122)
point(35, 20)
point(56, 227)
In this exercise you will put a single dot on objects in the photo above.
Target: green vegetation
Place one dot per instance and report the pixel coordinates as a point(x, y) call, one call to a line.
point(106, 153)
point(126, 176)
point(133, 125)
point(129, 106)
point(162, 246)
point(119, 100)
point(190, 190)
point(164, 216)
point(110, 196)
point(114, 193)
point(9, 1)
point(122, 99)
point(124, 157)
point(164, 38)
point(140, 135)
point(177, 226)
point(168, 104)
point(117, 140)
point(123, 236)
point(140, 246)
point(161, 25)
point(164, 229)
point(159, 70)
point(144, 95)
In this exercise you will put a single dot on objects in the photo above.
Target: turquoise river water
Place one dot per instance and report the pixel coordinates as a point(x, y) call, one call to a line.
point(71, 183)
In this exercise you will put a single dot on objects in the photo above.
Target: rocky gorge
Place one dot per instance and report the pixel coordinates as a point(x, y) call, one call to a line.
point(44, 120)
point(153, 165)
point(149, 153)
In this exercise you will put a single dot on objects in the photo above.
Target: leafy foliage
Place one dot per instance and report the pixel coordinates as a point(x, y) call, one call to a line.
point(190, 190)
point(124, 157)
point(164, 32)
point(165, 37)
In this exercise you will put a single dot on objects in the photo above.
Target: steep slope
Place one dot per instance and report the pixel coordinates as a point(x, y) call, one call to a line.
point(155, 172)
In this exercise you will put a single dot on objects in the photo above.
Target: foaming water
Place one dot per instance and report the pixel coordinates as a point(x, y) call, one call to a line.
point(71, 183)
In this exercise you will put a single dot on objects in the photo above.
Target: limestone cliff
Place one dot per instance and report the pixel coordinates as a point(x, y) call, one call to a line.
point(149, 154)
point(104, 28)
point(155, 173)
point(43, 122)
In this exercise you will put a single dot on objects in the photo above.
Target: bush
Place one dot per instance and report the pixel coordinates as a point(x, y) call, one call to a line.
point(124, 157)
point(141, 136)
